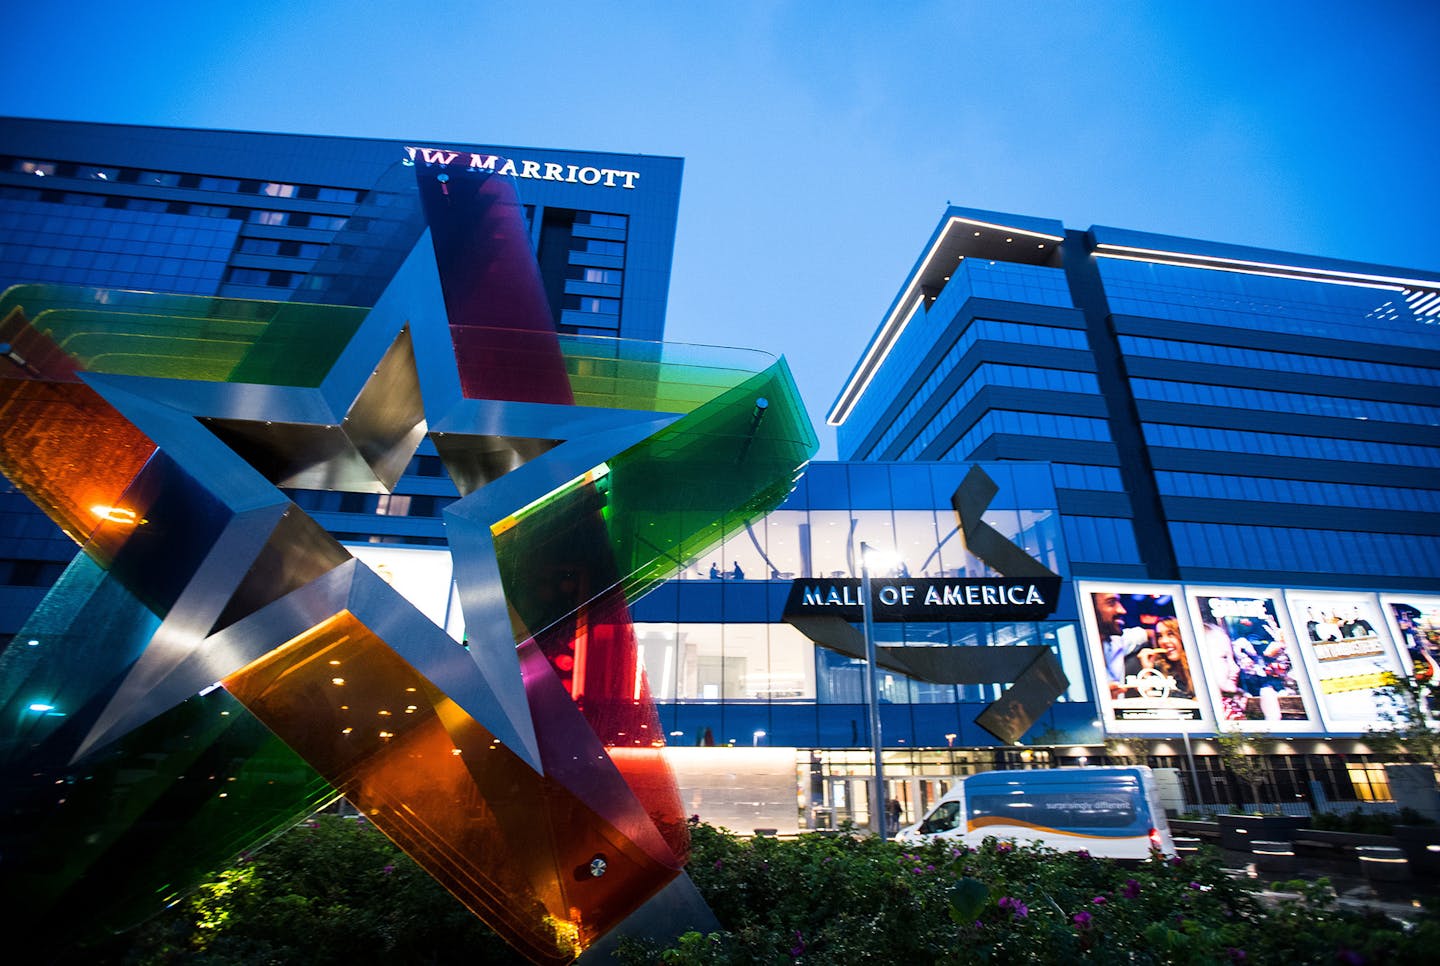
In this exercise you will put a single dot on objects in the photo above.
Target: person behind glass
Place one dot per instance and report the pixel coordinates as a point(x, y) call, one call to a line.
point(1168, 657)
point(736, 573)
point(1121, 647)
point(893, 813)
point(714, 571)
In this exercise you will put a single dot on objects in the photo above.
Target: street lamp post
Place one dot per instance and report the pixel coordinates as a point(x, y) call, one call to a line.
point(872, 698)
point(1190, 757)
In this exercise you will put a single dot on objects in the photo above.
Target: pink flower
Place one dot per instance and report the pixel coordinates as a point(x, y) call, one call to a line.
point(1003, 847)
point(799, 948)
point(1083, 853)
point(1236, 955)
point(1098, 900)
point(1081, 920)
point(1015, 907)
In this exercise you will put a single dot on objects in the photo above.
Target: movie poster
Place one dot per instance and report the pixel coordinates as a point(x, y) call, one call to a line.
point(1257, 678)
point(1347, 647)
point(1416, 623)
point(1146, 675)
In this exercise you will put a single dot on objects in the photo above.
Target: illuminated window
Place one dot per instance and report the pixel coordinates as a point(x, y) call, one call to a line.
point(277, 190)
point(393, 505)
point(1371, 784)
point(41, 168)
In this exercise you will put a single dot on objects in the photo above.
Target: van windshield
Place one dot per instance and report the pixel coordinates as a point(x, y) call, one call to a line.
point(945, 817)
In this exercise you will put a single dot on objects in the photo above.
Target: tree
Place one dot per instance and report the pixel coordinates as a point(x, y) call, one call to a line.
point(1127, 751)
point(1407, 706)
point(1244, 757)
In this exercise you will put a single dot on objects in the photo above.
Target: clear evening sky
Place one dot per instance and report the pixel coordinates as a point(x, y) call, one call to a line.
point(823, 140)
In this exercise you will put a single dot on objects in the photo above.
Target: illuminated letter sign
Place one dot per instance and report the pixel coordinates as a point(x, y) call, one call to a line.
point(927, 599)
point(534, 170)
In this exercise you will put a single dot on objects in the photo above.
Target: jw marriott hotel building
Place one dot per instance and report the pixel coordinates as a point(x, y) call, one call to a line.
point(1226, 458)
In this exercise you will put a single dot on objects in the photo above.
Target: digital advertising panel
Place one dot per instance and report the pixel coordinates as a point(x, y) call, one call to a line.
point(423, 577)
point(1147, 676)
point(1347, 648)
point(1415, 619)
point(1257, 679)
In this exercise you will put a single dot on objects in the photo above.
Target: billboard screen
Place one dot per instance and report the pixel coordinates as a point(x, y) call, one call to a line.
point(1416, 623)
point(1347, 648)
point(1147, 678)
point(1257, 681)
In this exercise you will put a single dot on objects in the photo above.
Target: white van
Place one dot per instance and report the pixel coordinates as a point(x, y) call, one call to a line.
point(1111, 812)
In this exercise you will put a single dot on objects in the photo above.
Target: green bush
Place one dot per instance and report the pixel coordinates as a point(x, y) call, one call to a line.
point(824, 899)
point(336, 891)
point(331, 891)
point(1367, 824)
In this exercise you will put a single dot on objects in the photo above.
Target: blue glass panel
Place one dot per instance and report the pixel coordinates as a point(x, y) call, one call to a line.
point(829, 487)
point(661, 605)
point(869, 486)
point(745, 602)
point(843, 726)
point(693, 721)
point(936, 725)
point(700, 601)
point(896, 728)
point(794, 724)
point(910, 486)
point(741, 722)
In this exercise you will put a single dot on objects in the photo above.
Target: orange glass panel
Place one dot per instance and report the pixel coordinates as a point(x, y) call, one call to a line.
point(71, 453)
point(516, 847)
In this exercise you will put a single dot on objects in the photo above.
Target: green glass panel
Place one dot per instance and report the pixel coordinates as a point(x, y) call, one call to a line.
point(657, 376)
point(681, 492)
point(135, 826)
point(129, 828)
point(660, 503)
point(187, 336)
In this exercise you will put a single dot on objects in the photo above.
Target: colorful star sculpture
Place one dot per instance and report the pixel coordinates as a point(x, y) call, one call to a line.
point(214, 665)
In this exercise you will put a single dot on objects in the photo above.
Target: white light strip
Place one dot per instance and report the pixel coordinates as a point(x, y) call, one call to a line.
point(890, 333)
point(1004, 228)
point(1290, 271)
point(1250, 271)
point(1417, 305)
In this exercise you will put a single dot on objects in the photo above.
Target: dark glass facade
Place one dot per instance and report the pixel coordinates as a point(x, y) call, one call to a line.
point(1212, 412)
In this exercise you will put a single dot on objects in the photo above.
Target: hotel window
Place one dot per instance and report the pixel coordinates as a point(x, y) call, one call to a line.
point(602, 276)
point(601, 306)
point(39, 168)
point(601, 220)
point(597, 247)
point(393, 505)
point(165, 179)
point(101, 174)
point(327, 222)
point(276, 190)
point(1371, 784)
point(219, 184)
point(268, 218)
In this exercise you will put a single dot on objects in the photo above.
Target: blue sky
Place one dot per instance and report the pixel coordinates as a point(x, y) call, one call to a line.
point(823, 140)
